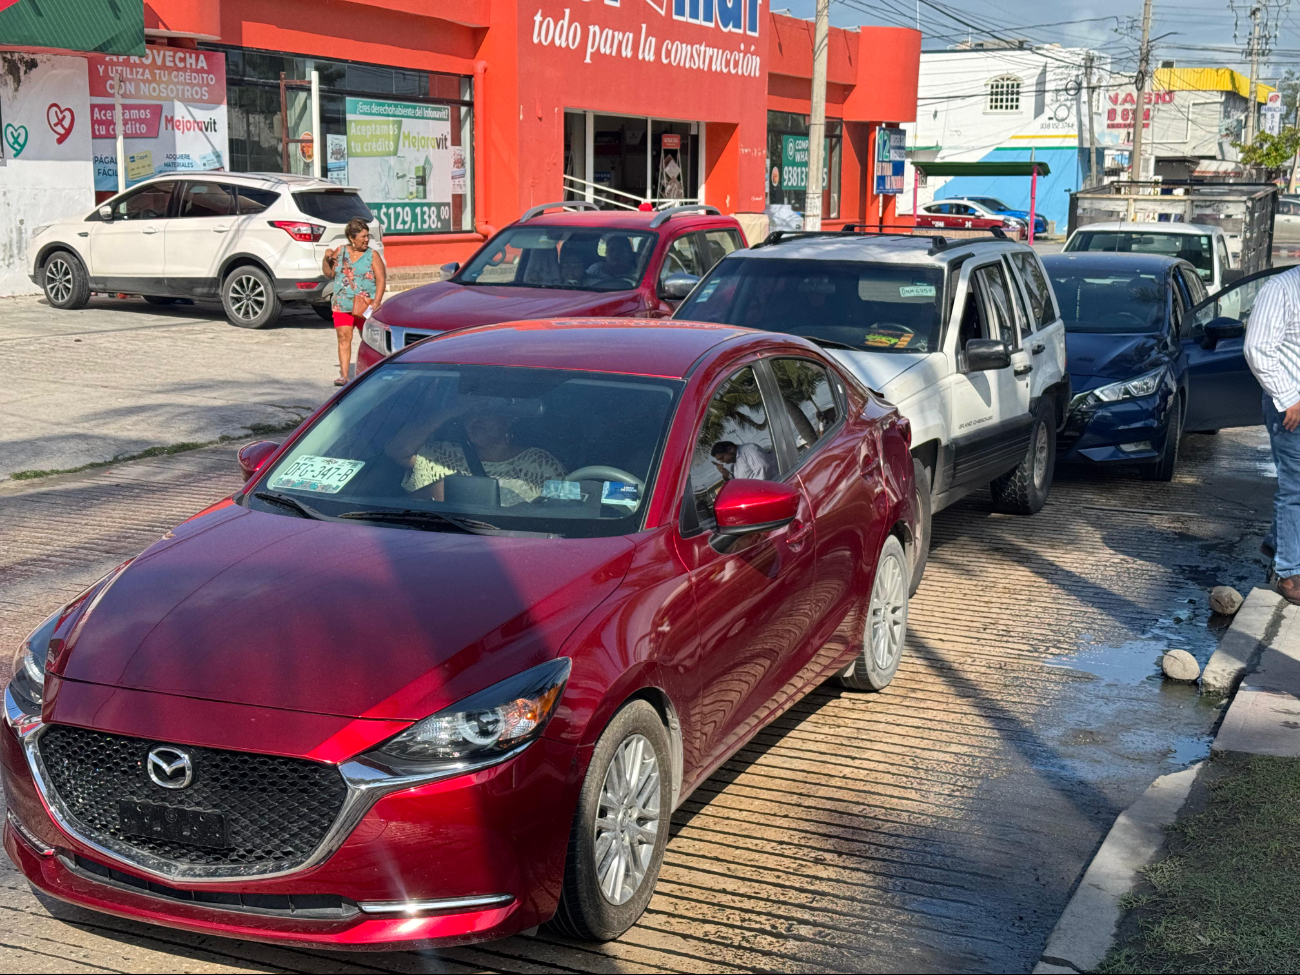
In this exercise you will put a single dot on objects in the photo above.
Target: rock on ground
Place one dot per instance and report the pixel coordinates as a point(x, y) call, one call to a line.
point(1180, 665)
point(1225, 600)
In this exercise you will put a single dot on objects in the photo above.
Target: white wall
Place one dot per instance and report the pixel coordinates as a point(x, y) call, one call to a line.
point(47, 180)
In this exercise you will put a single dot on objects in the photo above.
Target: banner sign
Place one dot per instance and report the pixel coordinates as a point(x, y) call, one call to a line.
point(173, 113)
point(891, 158)
point(794, 163)
point(400, 157)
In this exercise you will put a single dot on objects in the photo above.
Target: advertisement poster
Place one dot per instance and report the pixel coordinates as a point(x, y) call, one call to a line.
point(891, 158)
point(399, 156)
point(336, 159)
point(173, 113)
point(794, 163)
point(670, 167)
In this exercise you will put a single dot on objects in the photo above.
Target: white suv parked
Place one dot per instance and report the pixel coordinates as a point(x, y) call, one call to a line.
point(254, 240)
point(962, 335)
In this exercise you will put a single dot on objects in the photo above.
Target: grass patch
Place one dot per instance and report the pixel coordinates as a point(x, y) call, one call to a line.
point(1227, 898)
point(255, 429)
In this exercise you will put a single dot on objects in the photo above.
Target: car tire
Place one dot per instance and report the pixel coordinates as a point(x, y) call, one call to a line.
point(634, 738)
point(920, 552)
point(162, 300)
point(249, 298)
point(1165, 468)
point(1024, 490)
point(324, 312)
point(64, 279)
point(885, 629)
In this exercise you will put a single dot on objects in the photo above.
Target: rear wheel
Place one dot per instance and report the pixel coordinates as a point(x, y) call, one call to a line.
point(886, 627)
point(249, 297)
point(65, 281)
point(1167, 465)
point(921, 530)
point(620, 828)
point(1023, 491)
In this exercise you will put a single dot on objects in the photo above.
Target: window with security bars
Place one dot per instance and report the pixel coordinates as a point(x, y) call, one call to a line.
point(1004, 94)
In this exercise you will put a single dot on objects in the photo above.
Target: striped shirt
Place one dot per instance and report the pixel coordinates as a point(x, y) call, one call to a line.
point(1273, 339)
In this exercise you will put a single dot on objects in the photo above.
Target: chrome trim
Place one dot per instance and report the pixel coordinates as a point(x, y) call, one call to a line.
point(23, 723)
point(451, 904)
point(34, 841)
point(400, 338)
point(367, 783)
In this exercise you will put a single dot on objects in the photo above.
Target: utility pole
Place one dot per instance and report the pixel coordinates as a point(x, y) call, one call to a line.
point(1092, 128)
point(812, 210)
point(1252, 109)
point(1295, 165)
point(1139, 115)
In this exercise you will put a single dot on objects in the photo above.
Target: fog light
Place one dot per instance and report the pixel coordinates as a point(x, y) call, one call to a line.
point(450, 905)
point(1137, 446)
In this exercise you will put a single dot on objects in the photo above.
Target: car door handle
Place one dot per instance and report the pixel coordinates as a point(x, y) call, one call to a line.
point(221, 230)
point(149, 230)
point(1039, 347)
point(798, 534)
point(1024, 370)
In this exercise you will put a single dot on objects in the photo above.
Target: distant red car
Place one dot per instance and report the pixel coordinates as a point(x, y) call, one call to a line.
point(963, 215)
point(560, 260)
point(445, 666)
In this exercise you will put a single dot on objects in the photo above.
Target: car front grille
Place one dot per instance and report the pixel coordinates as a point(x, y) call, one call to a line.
point(277, 810)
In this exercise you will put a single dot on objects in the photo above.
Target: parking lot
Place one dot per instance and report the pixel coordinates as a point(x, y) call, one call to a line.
point(938, 826)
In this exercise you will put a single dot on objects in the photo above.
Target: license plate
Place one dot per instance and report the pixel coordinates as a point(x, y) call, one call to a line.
point(196, 827)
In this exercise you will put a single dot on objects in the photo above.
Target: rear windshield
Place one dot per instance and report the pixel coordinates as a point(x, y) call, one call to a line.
point(573, 258)
point(1196, 249)
point(872, 307)
point(332, 206)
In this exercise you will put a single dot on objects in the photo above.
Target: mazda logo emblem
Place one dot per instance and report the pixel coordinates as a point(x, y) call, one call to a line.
point(169, 767)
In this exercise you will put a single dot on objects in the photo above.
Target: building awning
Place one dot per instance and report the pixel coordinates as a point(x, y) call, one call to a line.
point(1218, 167)
point(74, 25)
point(1018, 168)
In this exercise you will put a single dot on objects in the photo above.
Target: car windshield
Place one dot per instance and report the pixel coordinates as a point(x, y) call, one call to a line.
point(872, 307)
point(1196, 249)
point(1102, 301)
point(574, 258)
point(989, 203)
point(490, 447)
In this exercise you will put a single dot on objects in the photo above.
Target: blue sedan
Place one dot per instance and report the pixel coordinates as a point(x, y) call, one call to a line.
point(997, 206)
point(1151, 356)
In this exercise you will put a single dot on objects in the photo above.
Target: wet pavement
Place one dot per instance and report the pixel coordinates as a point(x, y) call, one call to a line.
point(938, 826)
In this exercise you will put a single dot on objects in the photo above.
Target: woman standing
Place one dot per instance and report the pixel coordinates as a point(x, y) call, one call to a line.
point(359, 278)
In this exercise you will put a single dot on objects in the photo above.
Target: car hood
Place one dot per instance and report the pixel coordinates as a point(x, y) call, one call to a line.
point(894, 375)
point(1094, 357)
point(447, 305)
point(355, 620)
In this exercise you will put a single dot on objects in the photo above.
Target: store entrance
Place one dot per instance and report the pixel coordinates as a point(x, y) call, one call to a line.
point(621, 161)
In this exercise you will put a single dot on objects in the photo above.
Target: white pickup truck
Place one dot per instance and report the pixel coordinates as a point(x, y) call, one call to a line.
point(961, 335)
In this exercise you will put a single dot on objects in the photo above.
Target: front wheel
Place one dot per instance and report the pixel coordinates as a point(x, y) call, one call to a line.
point(64, 279)
point(886, 627)
point(1023, 490)
point(921, 530)
point(620, 828)
point(249, 297)
point(1164, 468)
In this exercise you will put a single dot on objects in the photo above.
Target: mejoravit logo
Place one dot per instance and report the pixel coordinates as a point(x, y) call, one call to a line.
point(176, 123)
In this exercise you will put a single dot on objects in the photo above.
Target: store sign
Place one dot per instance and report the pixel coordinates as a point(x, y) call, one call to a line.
point(891, 159)
point(400, 157)
point(173, 113)
point(1123, 111)
point(794, 163)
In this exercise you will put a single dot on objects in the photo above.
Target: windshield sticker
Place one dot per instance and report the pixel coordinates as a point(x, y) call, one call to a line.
point(888, 340)
point(324, 475)
point(916, 291)
point(707, 290)
point(562, 490)
point(620, 493)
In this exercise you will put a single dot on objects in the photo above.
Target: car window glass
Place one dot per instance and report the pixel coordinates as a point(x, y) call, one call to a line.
point(681, 259)
point(718, 244)
point(1234, 302)
point(973, 322)
point(1222, 247)
point(1040, 295)
point(147, 203)
point(1023, 322)
point(808, 400)
point(1195, 286)
point(992, 283)
point(1109, 301)
point(253, 200)
point(584, 259)
point(735, 440)
point(332, 206)
point(1177, 304)
point(203, 199)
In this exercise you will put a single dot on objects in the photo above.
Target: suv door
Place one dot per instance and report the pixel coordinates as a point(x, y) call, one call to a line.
point(199, 236)
point(1046, 342)
point(127, 252)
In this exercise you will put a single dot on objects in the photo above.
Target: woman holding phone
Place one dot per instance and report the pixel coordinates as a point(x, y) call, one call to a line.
point(359, 278)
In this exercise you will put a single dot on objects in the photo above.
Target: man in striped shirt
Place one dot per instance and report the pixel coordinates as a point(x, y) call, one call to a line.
point(1273, 352)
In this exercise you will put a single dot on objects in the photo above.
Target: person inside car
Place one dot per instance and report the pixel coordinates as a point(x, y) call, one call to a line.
point(619, 262)
point(746, 460)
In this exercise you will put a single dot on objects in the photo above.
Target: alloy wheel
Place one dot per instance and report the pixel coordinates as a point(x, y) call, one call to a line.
point(247, 297)
point(1040, 455)
point(58, 280)
point(885, 628)
point(627, 822)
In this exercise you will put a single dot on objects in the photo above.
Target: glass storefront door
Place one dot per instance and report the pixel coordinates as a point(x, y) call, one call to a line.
point(625, 160)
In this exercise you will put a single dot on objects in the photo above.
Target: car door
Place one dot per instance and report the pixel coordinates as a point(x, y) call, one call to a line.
point(751, 596)
point(200, 236)
point(127, 253)
point(1223, 391)
point(1047, 342)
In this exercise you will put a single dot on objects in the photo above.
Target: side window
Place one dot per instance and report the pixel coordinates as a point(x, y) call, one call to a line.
point(808, 400)
point(1040, 295)
point(1195, 286)
point(253, 200)
point(1178, 304)
point(1023, 321)
point(735, 441)
point(1224, 260)
point(718, 244)
point(681, 258)
point(147, 203)
point(201, 199)
point(992, 283)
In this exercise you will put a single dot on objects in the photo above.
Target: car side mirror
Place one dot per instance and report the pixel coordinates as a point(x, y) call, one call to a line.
point(253, 455)
point(745, 506)
point(449, 269)
point(1219, 329)
point(985, 354)
point(106, 213)
point(675, 287)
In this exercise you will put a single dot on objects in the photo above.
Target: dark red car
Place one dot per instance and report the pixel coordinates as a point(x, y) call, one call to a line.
point(562, 260)
point(444, 667)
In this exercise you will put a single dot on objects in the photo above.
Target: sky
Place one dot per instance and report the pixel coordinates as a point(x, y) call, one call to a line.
point(1190, 33)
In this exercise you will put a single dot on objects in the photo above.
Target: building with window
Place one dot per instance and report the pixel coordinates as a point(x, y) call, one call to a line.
point(1193, 117)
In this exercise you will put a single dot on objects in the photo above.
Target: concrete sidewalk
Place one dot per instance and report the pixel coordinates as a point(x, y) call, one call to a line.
point(1264, 718)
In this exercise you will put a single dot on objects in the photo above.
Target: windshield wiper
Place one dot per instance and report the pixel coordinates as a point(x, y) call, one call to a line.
point(293, 504)
point(831, 343)
point(427, 520)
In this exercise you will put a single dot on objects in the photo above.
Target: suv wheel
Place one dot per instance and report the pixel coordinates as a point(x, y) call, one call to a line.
point(1164, 468)
point(886, 627)
point(1023, 491)
point(921, 530)
point(620, 828)
point(64, 279)
point(249, 297)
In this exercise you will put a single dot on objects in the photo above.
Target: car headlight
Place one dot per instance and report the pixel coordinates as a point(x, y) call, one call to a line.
point(484, 726)
point(1144, 385)
point(27, 686)
point(375, 334)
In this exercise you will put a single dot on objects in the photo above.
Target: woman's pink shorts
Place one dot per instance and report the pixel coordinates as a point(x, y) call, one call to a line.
point(345, 319)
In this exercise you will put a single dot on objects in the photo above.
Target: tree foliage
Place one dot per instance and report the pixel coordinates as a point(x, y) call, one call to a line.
point(1271, 151)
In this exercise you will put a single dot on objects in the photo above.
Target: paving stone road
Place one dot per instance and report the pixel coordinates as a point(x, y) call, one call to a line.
point(938, 826)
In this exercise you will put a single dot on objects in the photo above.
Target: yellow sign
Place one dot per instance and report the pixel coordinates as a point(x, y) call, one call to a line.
point(139, 165)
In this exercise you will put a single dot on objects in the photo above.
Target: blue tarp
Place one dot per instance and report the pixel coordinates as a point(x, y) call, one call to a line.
point(1053, 190)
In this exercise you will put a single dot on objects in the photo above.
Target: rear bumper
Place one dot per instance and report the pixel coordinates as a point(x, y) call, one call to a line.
point(303, 289)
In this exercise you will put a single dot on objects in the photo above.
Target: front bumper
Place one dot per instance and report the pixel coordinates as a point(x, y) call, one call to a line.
point(471, 858)
point(1095, 434)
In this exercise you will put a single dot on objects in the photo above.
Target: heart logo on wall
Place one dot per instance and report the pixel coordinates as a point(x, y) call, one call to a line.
point(16, 138)
point(60, 121)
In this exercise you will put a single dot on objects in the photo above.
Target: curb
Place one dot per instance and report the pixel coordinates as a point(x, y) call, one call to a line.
point(1254, 629)
point(1088, 926)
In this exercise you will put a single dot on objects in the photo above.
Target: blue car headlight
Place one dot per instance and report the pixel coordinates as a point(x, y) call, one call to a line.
point(1144, 385)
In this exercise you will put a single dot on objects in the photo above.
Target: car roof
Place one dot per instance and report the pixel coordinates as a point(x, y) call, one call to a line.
point(642, 347)
point(627, 219)
point(1112, 261)
point(882, 249)
point(276, 180)
point(1150, 227)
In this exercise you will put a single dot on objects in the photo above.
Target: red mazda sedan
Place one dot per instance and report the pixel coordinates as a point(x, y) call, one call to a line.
point(444, 667)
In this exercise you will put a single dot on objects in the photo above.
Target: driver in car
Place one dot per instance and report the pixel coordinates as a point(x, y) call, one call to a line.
point(519, 471)
point(619, 262)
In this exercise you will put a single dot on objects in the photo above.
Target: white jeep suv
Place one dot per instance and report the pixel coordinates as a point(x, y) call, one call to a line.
point(962, 335)
point(254, 240)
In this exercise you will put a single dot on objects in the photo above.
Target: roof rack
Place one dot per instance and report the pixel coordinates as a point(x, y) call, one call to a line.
point(537, 211)
point(938, 242)
point(663, 216)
